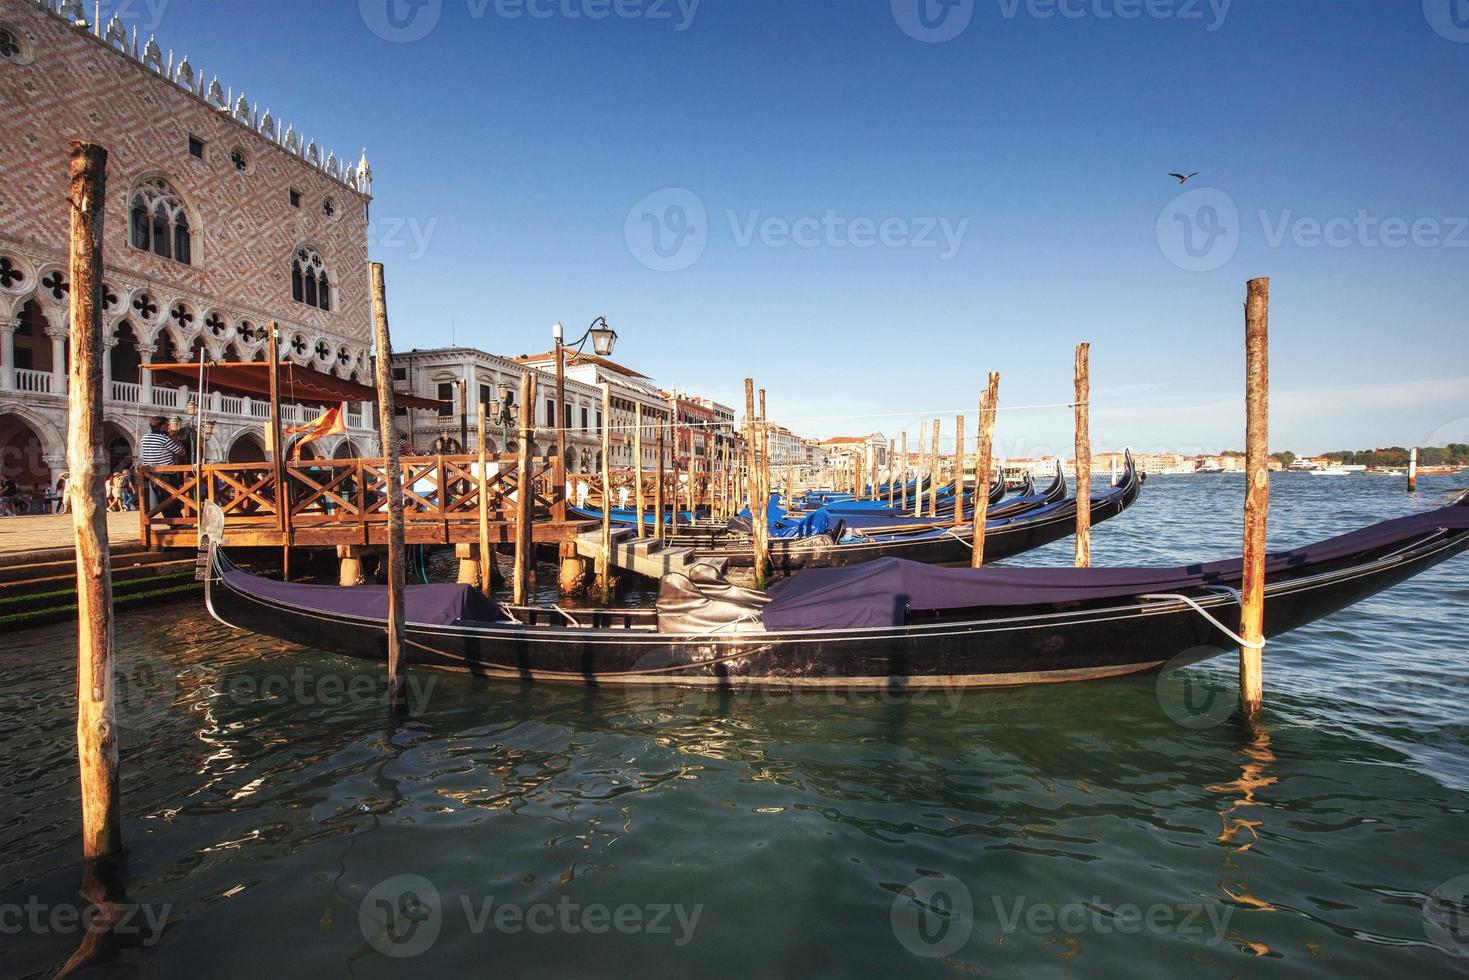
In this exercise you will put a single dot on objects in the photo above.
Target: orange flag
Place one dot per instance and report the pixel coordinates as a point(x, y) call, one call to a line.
point(326, 424)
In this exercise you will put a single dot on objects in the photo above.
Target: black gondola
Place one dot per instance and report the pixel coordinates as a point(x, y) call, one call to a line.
point(890, 625)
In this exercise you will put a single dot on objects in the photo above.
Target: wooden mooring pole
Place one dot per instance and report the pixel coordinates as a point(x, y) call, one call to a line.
point(1083, 457)
point(486, 554)
point(525, 492)
point(1257, 495)
point(278, 449)
point(96, 706)
point(903, 474)
point(604, 565)
point(658, 497)
point(392, 479)
point(987, 403)
point(933, 462)
point(637, 464)
point(959, 472)
point(1413, 470)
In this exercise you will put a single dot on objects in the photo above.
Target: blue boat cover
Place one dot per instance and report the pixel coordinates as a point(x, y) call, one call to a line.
point(430, 605)
point(879, 593)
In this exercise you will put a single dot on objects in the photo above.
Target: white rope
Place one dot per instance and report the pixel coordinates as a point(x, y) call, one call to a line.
point(1205, 613)
point(569, 617)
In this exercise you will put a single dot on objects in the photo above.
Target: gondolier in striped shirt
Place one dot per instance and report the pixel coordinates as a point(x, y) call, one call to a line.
point(159, 449)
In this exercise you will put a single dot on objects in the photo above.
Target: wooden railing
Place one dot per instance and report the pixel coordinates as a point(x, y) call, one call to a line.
point(346, 494)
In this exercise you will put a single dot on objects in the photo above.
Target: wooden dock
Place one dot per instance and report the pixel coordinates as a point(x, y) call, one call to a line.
point(343, 502)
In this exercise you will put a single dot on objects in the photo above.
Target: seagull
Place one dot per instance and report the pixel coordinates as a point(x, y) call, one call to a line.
point(1183, 177)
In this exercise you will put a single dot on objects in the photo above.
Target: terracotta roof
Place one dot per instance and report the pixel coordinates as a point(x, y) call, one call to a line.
point(837, 440)
point(573, 357)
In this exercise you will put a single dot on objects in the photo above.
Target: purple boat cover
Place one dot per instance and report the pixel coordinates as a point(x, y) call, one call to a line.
point(879, 593)
point(429, 605)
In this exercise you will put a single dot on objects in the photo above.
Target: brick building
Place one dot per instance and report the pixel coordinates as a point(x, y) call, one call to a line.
point(219, 217)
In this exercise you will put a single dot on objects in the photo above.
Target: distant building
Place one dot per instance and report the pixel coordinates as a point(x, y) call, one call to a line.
point(439, 372)
point(631, 392)
point(219, 217)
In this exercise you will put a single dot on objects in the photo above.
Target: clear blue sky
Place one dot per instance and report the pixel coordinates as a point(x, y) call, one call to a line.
point(511, 151)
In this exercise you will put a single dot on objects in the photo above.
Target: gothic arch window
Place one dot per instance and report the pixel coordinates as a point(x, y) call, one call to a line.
point(310, 283)
point(159, 222)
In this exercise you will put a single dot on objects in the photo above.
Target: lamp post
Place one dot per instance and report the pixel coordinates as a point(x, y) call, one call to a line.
point(604, 338)
point(501, 412)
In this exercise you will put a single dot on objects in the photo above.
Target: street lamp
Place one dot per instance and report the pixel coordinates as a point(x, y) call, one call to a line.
point(501, 412)
point(603, 338)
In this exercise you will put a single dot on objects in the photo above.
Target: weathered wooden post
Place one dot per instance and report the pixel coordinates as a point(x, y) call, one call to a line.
point(959, 473)
point(922, 465)
point(486, 555)
point(637, 464)
point(891, 461)
point(1257, 494)
point(1083, 458)
point(525, 493)
point(96, 707)
point(903, 474)
point(604, 570)
point(757, 511)
point(278, 449)
point(658, 492)
point(987, 403)
point(762, 514)
point(1413, 470)
point(933, 488)
point(392, 478)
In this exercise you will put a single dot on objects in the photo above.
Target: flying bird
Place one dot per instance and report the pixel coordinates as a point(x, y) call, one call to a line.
point(1183, 177)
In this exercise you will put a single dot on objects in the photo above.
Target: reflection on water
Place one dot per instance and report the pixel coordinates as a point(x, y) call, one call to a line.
point(277, 822)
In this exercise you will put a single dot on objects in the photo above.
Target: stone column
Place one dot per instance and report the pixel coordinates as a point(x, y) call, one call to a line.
point(8, 325)
point(58, 337)
point(145, 377)
point(108, 345)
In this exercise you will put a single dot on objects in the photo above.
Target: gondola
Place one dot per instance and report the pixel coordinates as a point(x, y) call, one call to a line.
point(945, 499)
point(928, 544)
point(1025, 499)
point(890, 625)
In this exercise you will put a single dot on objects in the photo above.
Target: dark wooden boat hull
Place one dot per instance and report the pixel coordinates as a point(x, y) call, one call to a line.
point(620, 647)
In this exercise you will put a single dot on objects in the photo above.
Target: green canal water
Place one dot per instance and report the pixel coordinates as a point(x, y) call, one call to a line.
point(279, 825)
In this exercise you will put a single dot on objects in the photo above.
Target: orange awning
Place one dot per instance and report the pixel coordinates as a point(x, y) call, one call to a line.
point(299, 385)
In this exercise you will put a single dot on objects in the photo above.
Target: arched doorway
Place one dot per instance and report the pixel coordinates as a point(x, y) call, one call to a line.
point(22, 456)
point(345, 450)
point(118, 447)
point(247, 448)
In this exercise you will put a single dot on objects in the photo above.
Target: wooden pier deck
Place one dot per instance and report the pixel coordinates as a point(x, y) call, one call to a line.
point(343, 502)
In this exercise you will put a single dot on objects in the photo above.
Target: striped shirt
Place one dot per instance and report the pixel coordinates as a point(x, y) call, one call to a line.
point(160, 449)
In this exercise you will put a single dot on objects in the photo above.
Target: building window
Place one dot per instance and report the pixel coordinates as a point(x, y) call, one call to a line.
point(550, 411)
point(446, 397)
point(309, 281)
point(159, 223)
point(328, 207)
point(238, 158)
point(584, 419)
point(400, 374)
point(9, 45)
point(295, 198)
point(484, 395)
point(196, 147)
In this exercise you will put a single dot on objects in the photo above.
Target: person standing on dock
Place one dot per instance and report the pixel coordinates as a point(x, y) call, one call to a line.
point(159, 449)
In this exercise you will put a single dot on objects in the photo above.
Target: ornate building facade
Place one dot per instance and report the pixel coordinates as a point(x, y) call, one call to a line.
point(219, 218)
